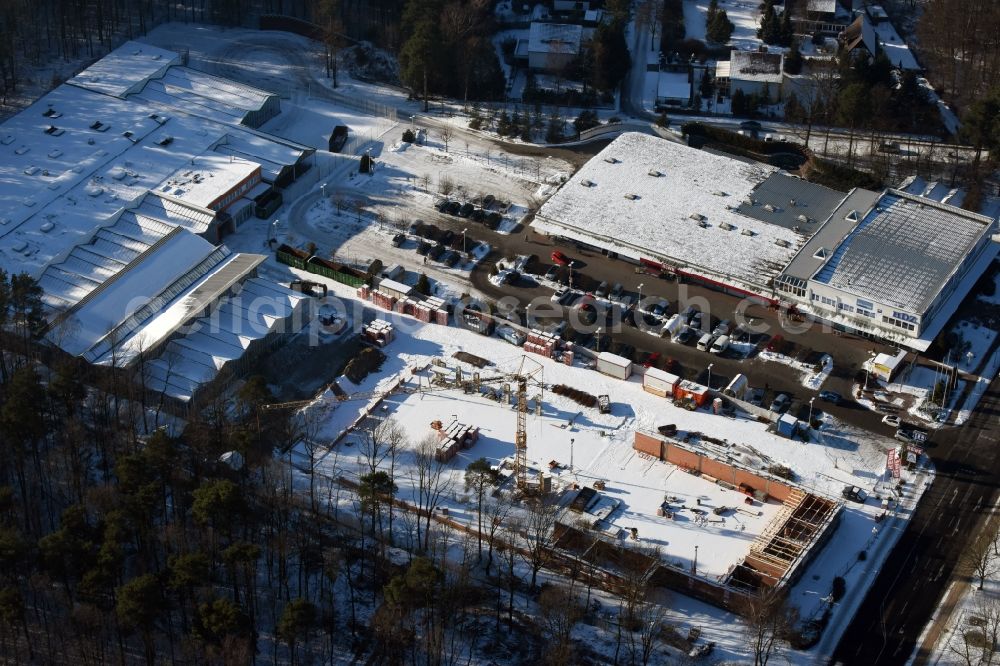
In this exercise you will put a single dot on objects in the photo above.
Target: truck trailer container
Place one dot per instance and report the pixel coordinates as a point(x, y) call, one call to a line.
point(614, 365)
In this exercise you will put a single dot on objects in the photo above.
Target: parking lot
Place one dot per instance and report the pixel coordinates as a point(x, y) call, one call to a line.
point(533, 289)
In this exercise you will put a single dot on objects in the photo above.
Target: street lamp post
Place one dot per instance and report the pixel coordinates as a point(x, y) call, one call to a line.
point(571, 442)
point(811, 412)
point(710, 375)
point(464, 251)
point(598, 339)
point(274, 229)
point(322, 189)
point(639, 288)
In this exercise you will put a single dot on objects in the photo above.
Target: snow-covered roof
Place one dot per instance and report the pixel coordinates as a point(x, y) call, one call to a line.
point(554, 38)
point(646, 197)
point(203, 95)
point(822, 6)
point(152, 327)
point(207, 177)
point(755, 66)
point(904, 251)
point(895, 47)
point(126, 69)
point(130, 288)
point(673, 85)
point(192, 360)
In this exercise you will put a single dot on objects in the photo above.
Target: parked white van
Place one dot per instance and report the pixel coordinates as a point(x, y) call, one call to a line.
point(720, 345)
point(705, 342)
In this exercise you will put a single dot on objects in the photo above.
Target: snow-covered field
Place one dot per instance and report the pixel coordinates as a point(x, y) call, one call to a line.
point(995, 298)
point(976, 343)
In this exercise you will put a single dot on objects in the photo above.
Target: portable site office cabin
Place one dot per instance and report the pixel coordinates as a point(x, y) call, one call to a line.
point(614, 365)
point(737, 388)
point(659, 383)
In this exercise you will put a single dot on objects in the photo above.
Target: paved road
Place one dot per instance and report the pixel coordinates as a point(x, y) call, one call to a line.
point(910, 586)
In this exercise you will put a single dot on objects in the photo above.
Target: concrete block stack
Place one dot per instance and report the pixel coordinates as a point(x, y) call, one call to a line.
point(541, 343)
point(453, 437)
point(379, 332)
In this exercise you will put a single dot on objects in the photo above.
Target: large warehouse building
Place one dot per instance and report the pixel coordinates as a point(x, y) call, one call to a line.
point(893, 266)
point(115, 190)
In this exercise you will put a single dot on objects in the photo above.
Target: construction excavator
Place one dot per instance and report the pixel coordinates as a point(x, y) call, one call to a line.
point(521, 379)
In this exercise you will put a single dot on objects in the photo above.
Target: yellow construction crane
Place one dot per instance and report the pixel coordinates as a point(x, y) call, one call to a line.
point(520, 379)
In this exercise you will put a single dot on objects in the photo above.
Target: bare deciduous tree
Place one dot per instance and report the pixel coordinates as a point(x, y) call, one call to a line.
point(767, 620)
point(432, 484)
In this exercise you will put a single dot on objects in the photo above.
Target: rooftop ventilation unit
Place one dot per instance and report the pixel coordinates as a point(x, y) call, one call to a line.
point(781, 242)
point(165, 141)
point(52, 130)
point(852, 216)
point(51, 113)
point(7, 139)
point(611, 160)
point(727, 226)
point(654, 173)
point(771, 208)
point(720, 193)
point(821, 253)
point(747, 232)
point(791, 202)
point(697, 217)
point(98, 126)
point(804, 219)
point(631, 197)
point(704, 224)
point(587, 183)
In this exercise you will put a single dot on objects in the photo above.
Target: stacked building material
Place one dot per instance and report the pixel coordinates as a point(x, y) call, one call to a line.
point(453, 437)
point(541, 343)
point(378, 332)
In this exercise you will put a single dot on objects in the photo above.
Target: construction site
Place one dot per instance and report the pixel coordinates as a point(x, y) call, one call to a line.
point(627, 504)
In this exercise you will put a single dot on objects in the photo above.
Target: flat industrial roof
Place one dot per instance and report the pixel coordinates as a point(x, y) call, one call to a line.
point(647, 197)
point(206, 177)
point(813, 254)
point(792, 203)
point(904, 251)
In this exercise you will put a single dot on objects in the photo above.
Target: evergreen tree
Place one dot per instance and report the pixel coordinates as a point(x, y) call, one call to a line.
point(770, 27)
point(721, 28)
point(739, 103)
point(611, 56)
point(787, 33)
point(793, 60)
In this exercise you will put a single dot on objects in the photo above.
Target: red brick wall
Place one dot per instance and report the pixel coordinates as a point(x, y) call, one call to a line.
point(649, 445)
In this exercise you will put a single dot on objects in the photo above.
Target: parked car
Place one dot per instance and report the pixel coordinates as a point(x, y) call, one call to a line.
point(854, 494)
point(453, 208)
point(723, 328)
point(602, 290)
point(436, 251)
point(466, 210)
point(616, 291)
point(560, 258)
point(830, 396)
point(751, 125)
point(684, 335)
point(552, 273)
point(451, 259)
point(688, 313)
point(447, 236)
point(891, 420)
point(442, 205)
point(720, 345)
point(781, 403)
point(423, 247)
point(398, 239)
point(912, 436)
point(659, 308)
point(705, 342)
point(416, 227)
point(559, 294)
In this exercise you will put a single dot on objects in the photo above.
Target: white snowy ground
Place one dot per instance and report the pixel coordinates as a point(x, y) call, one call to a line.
point(980, 340)
point(949, 649)
point(843, 457)
point(744, 14)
